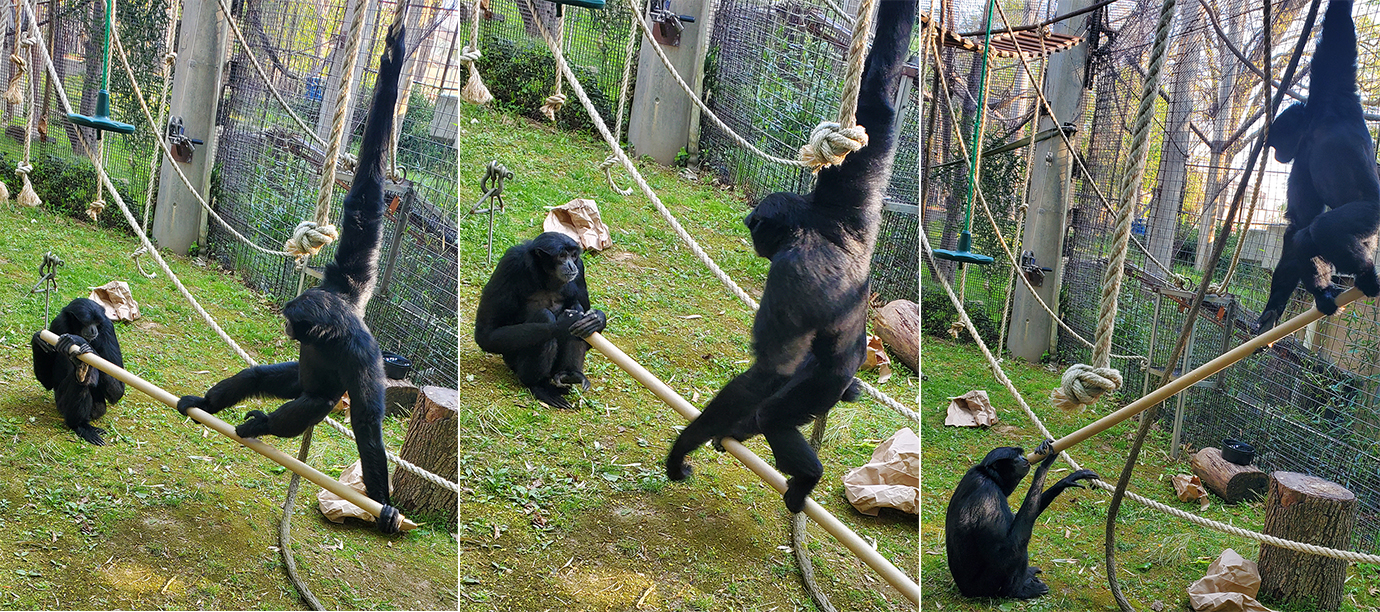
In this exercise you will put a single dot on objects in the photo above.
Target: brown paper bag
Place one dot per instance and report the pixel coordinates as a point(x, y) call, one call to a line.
point(335, 507)
point(891, 479)
point(579, 219)
point(1230, 585)
point(117, 300)
point(972, 409)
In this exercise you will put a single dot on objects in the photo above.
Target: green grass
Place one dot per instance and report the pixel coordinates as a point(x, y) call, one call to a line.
point(169, 515)
point(571, 509)
point(1158, 556)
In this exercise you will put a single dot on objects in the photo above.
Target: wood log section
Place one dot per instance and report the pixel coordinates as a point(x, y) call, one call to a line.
point(430, 443)
point(1229, 481)
point(1305, 509)
point(898, 325)
point(398, 397)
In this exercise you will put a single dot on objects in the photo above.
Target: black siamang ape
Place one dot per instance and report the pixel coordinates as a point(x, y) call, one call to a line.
point(985, 542)
point(338, 353)
point(80, 391)
point(1334, 167)
point(809, 333)
point(535, 311)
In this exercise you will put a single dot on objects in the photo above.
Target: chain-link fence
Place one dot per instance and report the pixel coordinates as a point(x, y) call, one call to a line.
point(1309, 403)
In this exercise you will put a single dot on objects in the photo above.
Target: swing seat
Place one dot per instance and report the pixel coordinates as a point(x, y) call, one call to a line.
point(963, 254)
point(102, 120)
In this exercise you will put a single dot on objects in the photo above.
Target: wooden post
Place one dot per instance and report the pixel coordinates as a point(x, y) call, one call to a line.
point(431, 445)
point(1229, 481)
point(1306, 509)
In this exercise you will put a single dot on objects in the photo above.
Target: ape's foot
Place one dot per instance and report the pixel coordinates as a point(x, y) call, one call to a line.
point(551, 396)
point(567, 380)
point(1325, 303)
point(90, 434)
point(255, 424)
point(853, 393)
point(797, 491)
point(677, 469)
point(1267, 321)
point(192, 401)
point(1368, 282)
point(1032, 587)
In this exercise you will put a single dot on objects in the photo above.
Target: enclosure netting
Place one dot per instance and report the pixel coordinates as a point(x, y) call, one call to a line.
point(1309, 404)
point(268, 170)
point(772, 74)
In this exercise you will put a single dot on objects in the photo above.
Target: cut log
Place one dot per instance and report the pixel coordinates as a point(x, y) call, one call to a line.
point(398, 397)
point(1229, 481)
point(1306, 509)
point(898, 325)
point(431, 445)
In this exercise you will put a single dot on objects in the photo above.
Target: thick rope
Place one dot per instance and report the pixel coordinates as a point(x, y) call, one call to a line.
point(555, 101)
point(169, 63)
point(474, 92)
point(333, 144)
point(27, 196)
point(15, 93)
point(670, 218)
point(800, 535)
point(1005, 381)
point(610, 161)
point(830, 141)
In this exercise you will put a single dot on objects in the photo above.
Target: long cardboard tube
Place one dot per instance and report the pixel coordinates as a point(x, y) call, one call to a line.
point(1203, 371)
point(225, 429)
point(895, 577)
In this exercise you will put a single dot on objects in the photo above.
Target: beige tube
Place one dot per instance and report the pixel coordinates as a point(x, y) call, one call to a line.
point(845, 536)
point(1203, 371)
point(225, 429)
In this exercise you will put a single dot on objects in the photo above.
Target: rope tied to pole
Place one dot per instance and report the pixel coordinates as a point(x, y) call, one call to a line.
point(1083, 384)
point(474, 92)
point(831, 141)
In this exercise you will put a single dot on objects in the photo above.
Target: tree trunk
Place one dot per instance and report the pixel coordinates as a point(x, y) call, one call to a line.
point(1315, 511)
point(430, 444)
point(1233, 483)
point(898, 325)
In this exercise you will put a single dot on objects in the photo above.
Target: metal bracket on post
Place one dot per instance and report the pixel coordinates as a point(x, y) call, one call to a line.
point(404, 215)
point(182, 146)
point(669, 24)
point(492, 186)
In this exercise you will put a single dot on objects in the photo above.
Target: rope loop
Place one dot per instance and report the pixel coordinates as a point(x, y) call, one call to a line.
point(829, 143)
point(308, 238)
point(1083, 384)
point(553, 105)
point(607, 166)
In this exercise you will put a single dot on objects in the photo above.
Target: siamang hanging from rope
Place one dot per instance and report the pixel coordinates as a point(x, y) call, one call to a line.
point(1334, 167)
point(338, 353)
point(80, 391)
point(809, 333)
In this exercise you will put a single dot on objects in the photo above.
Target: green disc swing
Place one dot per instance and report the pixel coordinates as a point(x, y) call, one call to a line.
point(965, 240)
point(102, 121)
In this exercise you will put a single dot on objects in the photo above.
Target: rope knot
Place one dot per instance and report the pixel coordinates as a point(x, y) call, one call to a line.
point(829, 143)
point(607, 166)
point(94, 209)
point(553, 104)
point(1083, 384)
point(23, 169)
point(29, 40)
point(170, 58)
point(308, 238)
point(469, 55)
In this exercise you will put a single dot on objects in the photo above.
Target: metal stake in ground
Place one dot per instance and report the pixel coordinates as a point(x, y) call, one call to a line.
point(492, 186)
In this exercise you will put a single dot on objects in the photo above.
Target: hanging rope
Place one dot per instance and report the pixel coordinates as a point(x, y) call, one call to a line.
point(830, 141)
point(15, 94)
point(27, 196)
point(555, 101)
point(612, 160)
point(474, 90)
point(1084, 384)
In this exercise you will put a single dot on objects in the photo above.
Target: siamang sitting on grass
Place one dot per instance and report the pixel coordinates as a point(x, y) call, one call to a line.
point(80, 391)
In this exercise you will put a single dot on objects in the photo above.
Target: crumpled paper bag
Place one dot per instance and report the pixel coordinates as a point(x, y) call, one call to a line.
point(972, 409)
point(336, 508)
point(890, 479)
point(117, 300)
point(579, 219)
point(877, 358)
point(1189, 488)
point(1230, 585)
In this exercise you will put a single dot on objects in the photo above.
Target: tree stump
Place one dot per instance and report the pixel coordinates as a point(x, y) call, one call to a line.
point(1306, 509)
point(898, 325)
point(398, 397)
point(1233, 483)
point(431, 445)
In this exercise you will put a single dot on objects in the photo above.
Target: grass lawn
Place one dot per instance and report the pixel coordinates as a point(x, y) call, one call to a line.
point(571, 509)
point(1157, 556)
point(168, 514)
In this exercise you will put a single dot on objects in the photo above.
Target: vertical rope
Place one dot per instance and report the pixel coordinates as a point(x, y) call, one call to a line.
point(1130, 190)
point(27, 196)
point(611, 160)
point(555, 101)
point(474, 92)
point(830, 142)
point(342, 103)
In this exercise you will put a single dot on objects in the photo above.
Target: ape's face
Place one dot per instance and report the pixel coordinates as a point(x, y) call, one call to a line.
point(1008, 467)
point(558, 255)
point(86, 319)
point(563, 265)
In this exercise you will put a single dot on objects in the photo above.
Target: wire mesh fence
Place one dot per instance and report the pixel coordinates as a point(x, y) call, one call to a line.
point(772, 74)
point(1309, 403)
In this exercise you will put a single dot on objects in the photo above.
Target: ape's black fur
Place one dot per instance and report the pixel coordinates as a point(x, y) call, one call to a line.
point(534, 311)
point(80, 391)
point(808, 335)
point(1334, 167)
point(338, 352)
point(986, 543)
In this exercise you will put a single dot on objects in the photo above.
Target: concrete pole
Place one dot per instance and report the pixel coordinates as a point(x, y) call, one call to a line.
point(659, 122)
point(336, 79)
point(1032, 331)
point(706, 24)
point(179, 221)
point(1173, 170)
